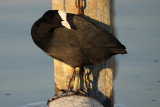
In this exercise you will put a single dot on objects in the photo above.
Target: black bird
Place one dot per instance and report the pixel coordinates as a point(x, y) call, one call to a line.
point(73, 39)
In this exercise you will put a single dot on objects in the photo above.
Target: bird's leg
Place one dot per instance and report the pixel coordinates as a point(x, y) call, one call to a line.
point(77, 78)
point(70, 80)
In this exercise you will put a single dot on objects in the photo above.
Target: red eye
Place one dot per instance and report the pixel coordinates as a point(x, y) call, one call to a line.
point(58, 16)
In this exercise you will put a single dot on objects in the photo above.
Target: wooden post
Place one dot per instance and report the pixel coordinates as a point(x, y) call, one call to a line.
point(100, 76)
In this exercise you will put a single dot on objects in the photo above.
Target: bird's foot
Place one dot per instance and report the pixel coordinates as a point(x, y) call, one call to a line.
point(64, 93)
point(82, 92)
point(61, 93)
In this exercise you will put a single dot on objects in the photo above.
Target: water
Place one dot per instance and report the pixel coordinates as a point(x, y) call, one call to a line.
point(137, 82)
point(37, 104)
point(26, 73)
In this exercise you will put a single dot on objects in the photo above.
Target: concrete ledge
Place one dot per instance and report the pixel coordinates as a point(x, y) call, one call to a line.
point(75, 101)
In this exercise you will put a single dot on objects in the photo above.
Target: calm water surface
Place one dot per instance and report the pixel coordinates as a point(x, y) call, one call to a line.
point(26, 73)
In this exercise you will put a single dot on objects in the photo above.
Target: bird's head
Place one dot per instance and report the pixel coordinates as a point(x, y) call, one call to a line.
point(58, 18)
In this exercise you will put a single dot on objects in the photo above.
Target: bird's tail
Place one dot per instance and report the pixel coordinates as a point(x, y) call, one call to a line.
point(118, 51)
point(121, 49)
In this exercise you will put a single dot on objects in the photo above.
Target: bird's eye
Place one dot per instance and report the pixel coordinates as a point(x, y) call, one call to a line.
point(58, 16)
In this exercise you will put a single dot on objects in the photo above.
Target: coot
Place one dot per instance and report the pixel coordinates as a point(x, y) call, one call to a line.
point(73, 39)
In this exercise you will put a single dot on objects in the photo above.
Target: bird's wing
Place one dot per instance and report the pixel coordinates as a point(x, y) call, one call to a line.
point(65, 46)
point(92, 36)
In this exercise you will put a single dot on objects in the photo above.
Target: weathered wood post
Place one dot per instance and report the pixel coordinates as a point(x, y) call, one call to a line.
point(100, 76)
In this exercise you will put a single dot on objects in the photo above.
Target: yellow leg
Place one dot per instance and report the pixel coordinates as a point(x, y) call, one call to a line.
point(77, 78)
point(70, 79)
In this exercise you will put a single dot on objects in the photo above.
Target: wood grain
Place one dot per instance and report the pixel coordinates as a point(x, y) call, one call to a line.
point(99, 76)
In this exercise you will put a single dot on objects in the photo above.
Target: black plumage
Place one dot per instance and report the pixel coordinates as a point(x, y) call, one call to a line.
point(83, 44)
